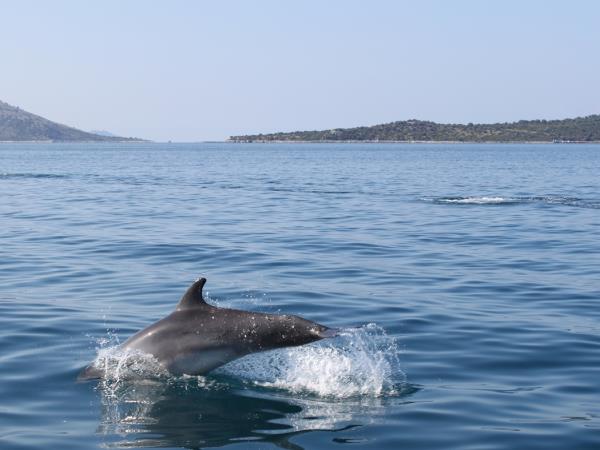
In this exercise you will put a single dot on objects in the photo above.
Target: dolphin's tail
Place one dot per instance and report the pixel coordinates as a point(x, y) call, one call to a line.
point(90, 372)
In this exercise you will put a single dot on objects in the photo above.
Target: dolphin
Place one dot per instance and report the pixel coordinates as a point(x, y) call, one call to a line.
point(198, 337)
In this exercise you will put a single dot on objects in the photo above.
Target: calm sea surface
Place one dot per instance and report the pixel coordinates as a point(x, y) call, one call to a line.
point(466, 279)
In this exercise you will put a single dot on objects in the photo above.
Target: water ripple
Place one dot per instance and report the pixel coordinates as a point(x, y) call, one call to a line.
point(478, 263)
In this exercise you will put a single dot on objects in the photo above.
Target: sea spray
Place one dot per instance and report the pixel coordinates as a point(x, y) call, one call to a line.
point(117, 364)
point(360, 362)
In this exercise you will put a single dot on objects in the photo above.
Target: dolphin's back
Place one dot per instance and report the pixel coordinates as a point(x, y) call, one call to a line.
point(198, 337)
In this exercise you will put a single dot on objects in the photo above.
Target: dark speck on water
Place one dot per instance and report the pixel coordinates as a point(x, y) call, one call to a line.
point(464, 279)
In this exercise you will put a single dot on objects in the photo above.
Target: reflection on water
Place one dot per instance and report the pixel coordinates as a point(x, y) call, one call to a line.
point(334, 385)
point(213, 412)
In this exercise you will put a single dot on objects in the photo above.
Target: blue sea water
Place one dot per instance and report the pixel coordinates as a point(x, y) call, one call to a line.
point(466, 279)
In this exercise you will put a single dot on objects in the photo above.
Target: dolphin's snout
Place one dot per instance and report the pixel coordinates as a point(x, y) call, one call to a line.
point(328, 332)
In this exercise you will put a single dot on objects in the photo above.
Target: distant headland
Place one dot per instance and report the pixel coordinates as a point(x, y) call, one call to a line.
point(19, 125)
point(580, 129)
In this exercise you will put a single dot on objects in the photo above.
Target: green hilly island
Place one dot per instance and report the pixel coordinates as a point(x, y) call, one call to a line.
point(580, 129)
point(19, 125)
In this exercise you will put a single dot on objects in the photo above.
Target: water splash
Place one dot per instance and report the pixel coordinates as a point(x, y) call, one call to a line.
point(360, 362)
point(118, 365)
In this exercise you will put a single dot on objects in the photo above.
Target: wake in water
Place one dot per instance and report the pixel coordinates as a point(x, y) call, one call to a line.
point(500, 200)
point(359, 362)
point(476, 200)
point(29, 175)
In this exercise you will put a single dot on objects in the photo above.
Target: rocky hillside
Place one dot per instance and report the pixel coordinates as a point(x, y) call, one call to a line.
point(19, 125)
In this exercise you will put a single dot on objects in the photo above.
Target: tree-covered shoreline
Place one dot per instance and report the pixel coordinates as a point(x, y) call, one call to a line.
point(580, 129)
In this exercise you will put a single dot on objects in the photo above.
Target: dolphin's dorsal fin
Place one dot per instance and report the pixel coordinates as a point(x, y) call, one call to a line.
point(193, 296)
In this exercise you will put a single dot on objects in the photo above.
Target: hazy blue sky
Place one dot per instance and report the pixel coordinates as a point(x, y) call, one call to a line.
point(193, 70)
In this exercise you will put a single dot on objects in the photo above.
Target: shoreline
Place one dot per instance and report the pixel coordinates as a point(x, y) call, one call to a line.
point(269, 141)
point(284, 141)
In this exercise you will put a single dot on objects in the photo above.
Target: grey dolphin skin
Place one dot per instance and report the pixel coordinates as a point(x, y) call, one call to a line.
point(197, 337)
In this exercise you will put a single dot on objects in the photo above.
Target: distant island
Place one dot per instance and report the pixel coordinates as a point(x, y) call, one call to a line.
point(19, 125)
point(580, 129)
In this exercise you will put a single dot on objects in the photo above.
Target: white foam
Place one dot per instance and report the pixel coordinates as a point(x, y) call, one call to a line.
point(360, 362)
point(477, 200)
